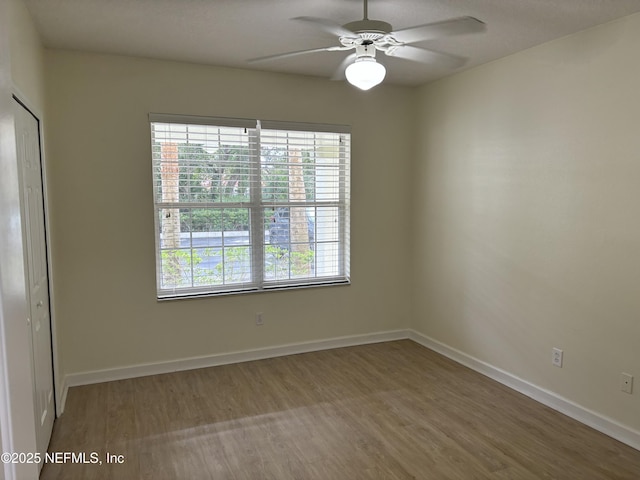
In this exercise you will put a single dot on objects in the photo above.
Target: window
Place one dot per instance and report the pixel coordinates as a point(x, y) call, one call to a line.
point(244, 205)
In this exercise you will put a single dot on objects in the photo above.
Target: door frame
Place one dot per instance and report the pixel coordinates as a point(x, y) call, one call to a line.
point(58, 399)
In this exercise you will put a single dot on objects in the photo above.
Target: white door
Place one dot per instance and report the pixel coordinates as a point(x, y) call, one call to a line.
point(28, 145)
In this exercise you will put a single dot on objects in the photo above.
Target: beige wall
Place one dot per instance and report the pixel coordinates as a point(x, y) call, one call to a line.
point(102, 213)
point(527, 189)
point(27, 56)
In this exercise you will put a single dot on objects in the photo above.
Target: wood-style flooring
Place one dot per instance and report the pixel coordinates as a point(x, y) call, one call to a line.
point(386, 411)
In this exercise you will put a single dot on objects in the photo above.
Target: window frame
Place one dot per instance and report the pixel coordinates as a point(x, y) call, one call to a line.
point(256, 207)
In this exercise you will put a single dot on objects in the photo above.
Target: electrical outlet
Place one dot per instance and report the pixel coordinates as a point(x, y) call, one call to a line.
point(556, 357)
point(259, 319)
point(626, 382)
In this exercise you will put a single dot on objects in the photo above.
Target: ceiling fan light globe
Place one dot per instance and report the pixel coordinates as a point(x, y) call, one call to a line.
point(365, 73)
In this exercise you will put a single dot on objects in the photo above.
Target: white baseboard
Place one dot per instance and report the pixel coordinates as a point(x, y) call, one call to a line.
point(142, 370)
point(61, 399)
point(594, 420)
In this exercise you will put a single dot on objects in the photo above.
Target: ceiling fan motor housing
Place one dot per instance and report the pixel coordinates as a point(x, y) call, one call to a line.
point(369, 27)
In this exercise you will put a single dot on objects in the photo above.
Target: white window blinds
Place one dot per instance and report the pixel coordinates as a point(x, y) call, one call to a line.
point(243, 206)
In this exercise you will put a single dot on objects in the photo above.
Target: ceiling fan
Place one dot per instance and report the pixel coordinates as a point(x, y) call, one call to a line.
point(367, 36)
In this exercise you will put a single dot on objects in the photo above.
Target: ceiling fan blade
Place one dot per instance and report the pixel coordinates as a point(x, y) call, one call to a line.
point(422, 55)
point(290, 54)
point(455, 26)
point(328, 26)
point(339, 73)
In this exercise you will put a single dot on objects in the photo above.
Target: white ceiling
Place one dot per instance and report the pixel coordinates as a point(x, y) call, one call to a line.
point(228, 32)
